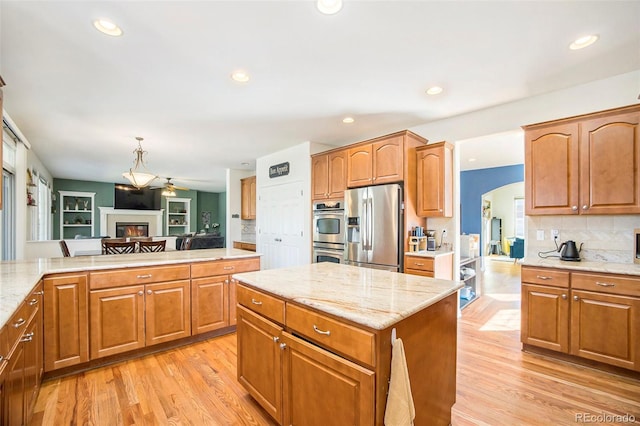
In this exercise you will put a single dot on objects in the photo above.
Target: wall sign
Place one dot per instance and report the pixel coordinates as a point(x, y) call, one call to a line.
point(278, 170)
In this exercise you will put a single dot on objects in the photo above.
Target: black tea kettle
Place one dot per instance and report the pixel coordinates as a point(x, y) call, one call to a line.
point(569, 251)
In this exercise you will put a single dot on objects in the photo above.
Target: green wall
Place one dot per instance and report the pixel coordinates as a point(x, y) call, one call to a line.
point(200, 201)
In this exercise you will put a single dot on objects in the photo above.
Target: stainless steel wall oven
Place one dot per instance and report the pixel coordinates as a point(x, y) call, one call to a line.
point(328, 231)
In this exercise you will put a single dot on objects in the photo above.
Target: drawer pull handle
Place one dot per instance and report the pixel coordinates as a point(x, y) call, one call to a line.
point(38, 293)
point(419, 264)
point(228, 268)
point(33, 302)
point(1, 358)
point(27, 337)
point(144, 276)
point(604, 284)
point(317, 330)
point(543, 277)
point(256, 302)
point(18, 323)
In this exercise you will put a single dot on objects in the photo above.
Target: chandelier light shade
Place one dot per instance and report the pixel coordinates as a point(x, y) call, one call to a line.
point(168, 192)
point(139, 176)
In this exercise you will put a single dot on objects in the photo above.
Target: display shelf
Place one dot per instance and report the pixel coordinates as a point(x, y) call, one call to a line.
point(178, 214)
point(77, 214)
point(471, 276)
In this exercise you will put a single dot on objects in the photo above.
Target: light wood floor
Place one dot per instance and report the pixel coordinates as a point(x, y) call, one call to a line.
point(497, 384)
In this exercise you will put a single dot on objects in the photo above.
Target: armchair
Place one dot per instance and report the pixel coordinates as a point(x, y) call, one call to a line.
point(517, 249)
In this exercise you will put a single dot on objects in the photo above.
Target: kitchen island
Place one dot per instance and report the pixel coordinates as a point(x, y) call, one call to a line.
point(315, 342)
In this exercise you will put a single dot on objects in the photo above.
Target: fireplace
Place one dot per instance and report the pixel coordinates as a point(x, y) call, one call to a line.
point(132, 229)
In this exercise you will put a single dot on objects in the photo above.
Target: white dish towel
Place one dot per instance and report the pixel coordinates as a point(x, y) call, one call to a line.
point(400, 410)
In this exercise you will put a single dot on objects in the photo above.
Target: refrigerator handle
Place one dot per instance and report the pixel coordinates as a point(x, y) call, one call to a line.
point(363, 226)
point(370, 223)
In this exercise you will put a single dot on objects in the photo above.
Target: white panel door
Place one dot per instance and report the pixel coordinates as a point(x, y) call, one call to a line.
point(281, 225)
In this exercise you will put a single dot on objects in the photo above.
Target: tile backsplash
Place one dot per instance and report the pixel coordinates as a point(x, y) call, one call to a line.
point(248, 231)
point(606, 238)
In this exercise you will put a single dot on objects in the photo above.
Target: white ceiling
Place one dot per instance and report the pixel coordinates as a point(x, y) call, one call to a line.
point(81, 97)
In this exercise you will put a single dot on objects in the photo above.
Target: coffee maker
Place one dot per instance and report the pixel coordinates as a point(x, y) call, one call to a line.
point(431, 240)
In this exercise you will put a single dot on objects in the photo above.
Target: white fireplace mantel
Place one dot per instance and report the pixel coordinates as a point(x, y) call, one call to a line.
point(109, 216)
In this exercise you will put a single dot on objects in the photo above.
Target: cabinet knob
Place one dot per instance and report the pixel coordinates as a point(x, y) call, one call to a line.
point(283, 345)
point(585, 207)
point(226, 281)
point(574, 208)
point(140, 293)
point(564, 297)
point(576, 298)
point(276, 339)
point(149, 292)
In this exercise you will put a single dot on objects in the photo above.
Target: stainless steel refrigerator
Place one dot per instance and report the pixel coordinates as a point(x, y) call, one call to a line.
point(374, 223)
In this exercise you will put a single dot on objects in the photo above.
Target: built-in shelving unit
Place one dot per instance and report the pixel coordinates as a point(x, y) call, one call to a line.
point(77, 214)
point(178, 214)
point(471, 277)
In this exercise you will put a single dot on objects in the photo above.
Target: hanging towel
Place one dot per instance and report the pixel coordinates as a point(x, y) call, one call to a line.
point(400, 410)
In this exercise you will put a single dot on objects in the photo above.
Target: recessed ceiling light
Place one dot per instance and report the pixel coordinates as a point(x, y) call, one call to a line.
point(435, 90)
point(240, 76)
point(471, 160)
point(329, 7)
point(582, 42)
point(348, 120)
point(244, 163)
point(107, 27)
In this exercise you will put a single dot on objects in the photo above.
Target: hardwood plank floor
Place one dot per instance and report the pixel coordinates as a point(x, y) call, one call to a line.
point(498, 384)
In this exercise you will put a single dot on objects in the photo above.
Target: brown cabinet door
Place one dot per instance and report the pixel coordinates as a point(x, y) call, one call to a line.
point(388, 160)
point(168, 311)
point(117, 320)
point(610, 165)
point(337, 174)
point(605, 328)
point(551, 170)
point(260, 361)
point(66, 319)
point(233, 316)
point(318, 385)
point(320, 177)
point(435, 180)
point(14, 408)
point(360, 166)
point(545, 317)
point(209, 304)
point(32, 363)
point(248, 198)
point(252, 198)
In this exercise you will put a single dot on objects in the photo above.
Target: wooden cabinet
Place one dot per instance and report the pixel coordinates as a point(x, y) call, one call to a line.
point(589, 315)
point(218, 273)
point(379, 162)
point(584, 165)
point(209, 304)
point(329, 175)
point(433, 267)
point(128, 317)
point(260, 360)
point(248, 198)
point(24, 368)
point(66, 320)
point(244, 246)
point(435, 180)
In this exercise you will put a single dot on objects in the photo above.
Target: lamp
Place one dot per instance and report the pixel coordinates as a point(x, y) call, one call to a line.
point(139, 176)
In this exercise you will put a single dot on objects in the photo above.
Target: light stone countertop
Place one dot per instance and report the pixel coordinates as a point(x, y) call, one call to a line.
point(584, 265)
point(426, 253)
point(18, 278)
point(370, 297)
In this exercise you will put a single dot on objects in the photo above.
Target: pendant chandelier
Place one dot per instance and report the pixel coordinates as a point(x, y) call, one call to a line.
point(139, 176)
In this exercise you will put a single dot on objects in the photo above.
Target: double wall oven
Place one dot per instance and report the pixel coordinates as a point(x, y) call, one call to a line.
point(328, 231)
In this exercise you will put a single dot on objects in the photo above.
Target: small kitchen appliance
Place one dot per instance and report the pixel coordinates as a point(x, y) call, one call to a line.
point(431, 240)
point(569, 251)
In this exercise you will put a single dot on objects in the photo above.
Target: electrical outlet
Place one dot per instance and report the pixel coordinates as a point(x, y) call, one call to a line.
point(555, 233)
point(540, 235)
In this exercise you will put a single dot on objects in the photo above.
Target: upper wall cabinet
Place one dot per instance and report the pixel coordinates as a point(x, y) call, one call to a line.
point(435, 180)
point(584, 165)
point(375, 163)
point(248, 200)
point(329, 172)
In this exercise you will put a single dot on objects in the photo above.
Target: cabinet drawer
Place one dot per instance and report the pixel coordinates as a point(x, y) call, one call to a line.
point(428, 274)
point(124, 277)
point(261, 303)
point(419, 263)
point(224, 267)
point(17, 324)
point(614, 284)
point(545, 277)
point(331, 334)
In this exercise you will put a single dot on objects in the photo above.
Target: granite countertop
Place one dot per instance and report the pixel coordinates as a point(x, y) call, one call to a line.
point(370, 297)
point(584, 265)
point(18, 278)
point(426, 253)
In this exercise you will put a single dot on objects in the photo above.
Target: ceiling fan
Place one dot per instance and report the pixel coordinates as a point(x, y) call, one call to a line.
point(169, 189)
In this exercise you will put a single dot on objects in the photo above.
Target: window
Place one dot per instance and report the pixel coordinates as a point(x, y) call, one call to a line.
point(518, 217)
point(43, 225)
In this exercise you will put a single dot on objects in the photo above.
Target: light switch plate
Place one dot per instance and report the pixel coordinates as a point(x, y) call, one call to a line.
point(540, 234)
